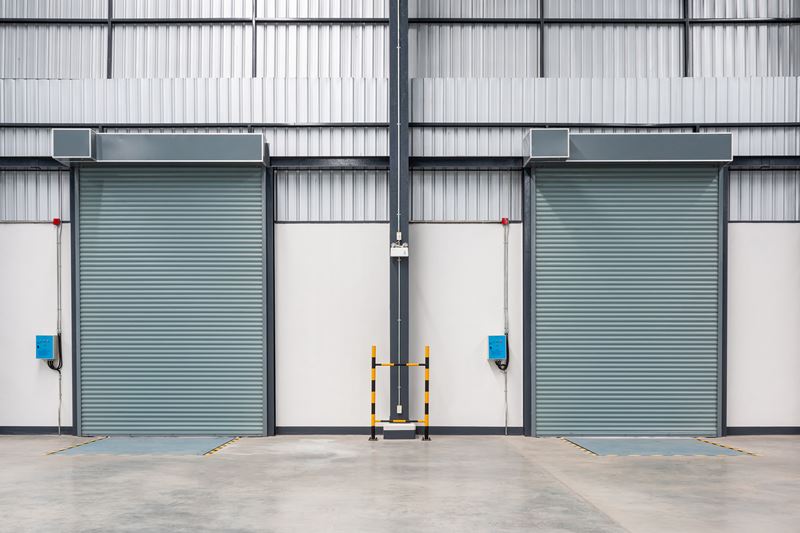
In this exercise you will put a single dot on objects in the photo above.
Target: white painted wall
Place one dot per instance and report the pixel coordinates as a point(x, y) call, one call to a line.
point(456, 273)
point(332, 305)
point(763, 325)
point(28, 388)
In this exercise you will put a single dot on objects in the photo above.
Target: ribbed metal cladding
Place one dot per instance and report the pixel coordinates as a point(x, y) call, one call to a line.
point(171, 301)
point(626, 302)
point(34, 196)
point(466, 196)
point(765, 196)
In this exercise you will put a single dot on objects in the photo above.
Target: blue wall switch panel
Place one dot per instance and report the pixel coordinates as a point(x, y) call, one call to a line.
point(46, 347)
point(497, 348)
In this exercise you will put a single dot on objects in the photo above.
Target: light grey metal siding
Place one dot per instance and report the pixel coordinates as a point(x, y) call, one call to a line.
point(740, 50)
point(473, 8)
point(626, 301)
point(34, 196)
point(764, 196)
point(738, 9)
point(54, 52)
point(466, 196)
point(613, 8)
point(53, 9)
point(322, 8)
point(171, 301)
point(331, 196)
point(182, 8)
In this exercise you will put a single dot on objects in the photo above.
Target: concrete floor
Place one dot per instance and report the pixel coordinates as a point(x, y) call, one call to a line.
point(348, 484)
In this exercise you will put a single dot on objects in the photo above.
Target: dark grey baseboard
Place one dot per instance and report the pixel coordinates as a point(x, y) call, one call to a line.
point(364, 430)
point(35, 430)
point(763, 430)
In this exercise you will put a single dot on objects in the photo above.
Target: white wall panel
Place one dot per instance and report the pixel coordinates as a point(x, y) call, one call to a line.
point(739, 50)
point(331, 195)
point(738, 9)
point(765, 195)
point(323, 9)
point(34, 196)
point(493, 51)
point(456, 277)
point(186, 51)
point(473, 8)
point(323, 51)
point(332, 305)
point(629, 51)
point(466, 196)
point(182, 8)
point(38, 51)
point(763, 316)
point(28, 389)
point(60, 9)
point(613, 8)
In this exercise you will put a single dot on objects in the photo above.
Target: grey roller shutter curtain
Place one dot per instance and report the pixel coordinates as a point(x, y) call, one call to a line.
point(627, 301)
point(171, 308)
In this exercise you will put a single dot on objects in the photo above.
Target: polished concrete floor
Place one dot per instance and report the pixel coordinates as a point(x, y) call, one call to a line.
point(347, 484)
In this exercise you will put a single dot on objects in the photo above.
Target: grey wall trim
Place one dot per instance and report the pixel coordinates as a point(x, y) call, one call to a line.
point(527, 300)
point(269, 294)
point(36, 430)
point(763, 430)
point(365, 430)
point(76, 301)
point(722, 186)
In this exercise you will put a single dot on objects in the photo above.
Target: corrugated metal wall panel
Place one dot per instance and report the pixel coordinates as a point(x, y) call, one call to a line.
point(763, 141)
point(328, 142)
point(466, 196)
point(323, 9)
point(467, 142)
point(473, 51)
point(34, 196)
point(473, 8)
point(613, 8)
point(744, 8)
point(18, 142)
point(752, 50)
point(33, 51)
point(226, 100)
point(608, 100)
point(186, 51)
point(628, 51)
point(182, 8)
point(765, 195)
point(61, 9)
point(171, 330)
point(626, 303)
point(323, 51)
point(331, 196)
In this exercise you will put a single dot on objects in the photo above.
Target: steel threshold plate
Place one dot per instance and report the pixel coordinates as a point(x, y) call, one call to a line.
point(148, 446)
point(648, 446)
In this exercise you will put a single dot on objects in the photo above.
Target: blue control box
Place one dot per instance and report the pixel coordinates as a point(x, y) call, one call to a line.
point(46, 347)
point(498, 348)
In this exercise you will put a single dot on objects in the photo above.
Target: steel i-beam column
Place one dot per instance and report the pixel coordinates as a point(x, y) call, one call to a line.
point(399, 202)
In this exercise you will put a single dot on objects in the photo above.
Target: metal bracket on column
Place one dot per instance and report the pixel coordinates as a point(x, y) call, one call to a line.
point(399, 203)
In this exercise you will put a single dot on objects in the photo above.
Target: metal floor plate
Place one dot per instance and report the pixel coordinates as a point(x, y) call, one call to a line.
point(148, 446)
point(645, 446)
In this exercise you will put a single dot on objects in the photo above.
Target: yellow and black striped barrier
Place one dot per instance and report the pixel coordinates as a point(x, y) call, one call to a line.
point(425, 421)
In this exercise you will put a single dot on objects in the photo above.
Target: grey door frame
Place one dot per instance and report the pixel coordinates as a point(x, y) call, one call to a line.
point(268, 261)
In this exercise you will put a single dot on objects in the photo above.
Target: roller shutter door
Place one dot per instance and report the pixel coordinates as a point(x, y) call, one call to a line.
point(626, 301)
point(171, 301)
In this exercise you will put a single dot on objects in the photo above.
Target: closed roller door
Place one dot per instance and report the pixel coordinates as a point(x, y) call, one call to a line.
point(171, 286)
point(627, 293)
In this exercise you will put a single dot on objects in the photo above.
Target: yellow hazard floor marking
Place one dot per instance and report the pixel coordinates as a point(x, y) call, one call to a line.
point(590, 452)
point(218, 448)
point(727, 447)
point(76, 445)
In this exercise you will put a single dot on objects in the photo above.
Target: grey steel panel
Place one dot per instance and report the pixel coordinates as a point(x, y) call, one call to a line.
point(34, 196)
point(74, 143)
point(323, 9)
point(63, 9)
point(41, 51)
point(181, 147)
point(466, 196)
point(331, 196)
point(745, 50)
point(765, 195)
point(473, 51)
point(323, 51)
point(744, 8)
point(182, 8)
point(625, 51)
point(473, 8)
point(764, 141)
point(171, 294)
point(613, 8)
point(185, 51)
point(627, 301)
point(637, 147)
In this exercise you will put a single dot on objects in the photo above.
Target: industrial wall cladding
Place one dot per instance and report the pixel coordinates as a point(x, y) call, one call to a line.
point(255, 193)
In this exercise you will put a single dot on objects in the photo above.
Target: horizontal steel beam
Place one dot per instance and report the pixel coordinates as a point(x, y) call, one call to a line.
point(466, 163)
point(239, 125)
point(683, 125)
point(328, 163)
point(31, 163)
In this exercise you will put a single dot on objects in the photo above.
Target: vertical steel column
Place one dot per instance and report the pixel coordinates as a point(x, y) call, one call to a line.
point(269, 316)
point(541, 38)
point(255, 38)
point(372, 403)
point(686, 38)
point(527, 303)
point(399, 200)
point(109, 39)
